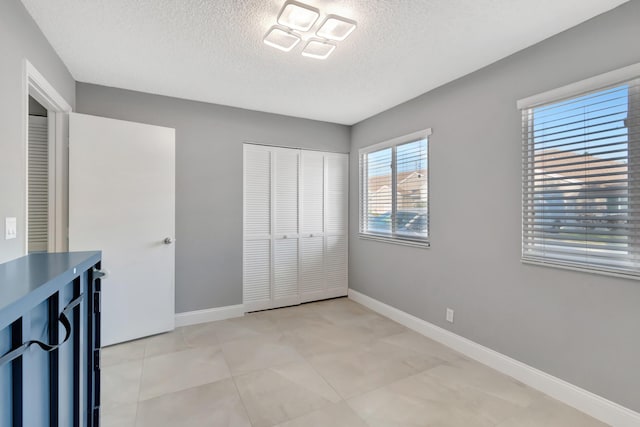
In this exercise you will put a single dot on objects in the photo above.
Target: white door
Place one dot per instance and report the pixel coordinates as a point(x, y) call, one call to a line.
point(122, 201)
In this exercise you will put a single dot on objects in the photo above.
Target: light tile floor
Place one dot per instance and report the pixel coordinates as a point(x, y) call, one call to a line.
point(327, 364)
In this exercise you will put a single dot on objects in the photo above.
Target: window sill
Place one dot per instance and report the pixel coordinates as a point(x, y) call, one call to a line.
point(581, 269)
point(395, 240)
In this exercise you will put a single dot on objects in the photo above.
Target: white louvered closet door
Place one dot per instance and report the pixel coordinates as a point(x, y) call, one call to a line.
point(336, 230)
point(285, 241)
point(257, 228)
point(38, 217)
point(312, 282)
point(295, 226)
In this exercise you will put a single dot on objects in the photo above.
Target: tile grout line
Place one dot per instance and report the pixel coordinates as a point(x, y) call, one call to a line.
point(135, 419)
point(244, 405)
point(233, 379)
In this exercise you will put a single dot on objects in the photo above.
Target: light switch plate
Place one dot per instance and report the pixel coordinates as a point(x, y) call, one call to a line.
point(449, 315)
point(10, 228)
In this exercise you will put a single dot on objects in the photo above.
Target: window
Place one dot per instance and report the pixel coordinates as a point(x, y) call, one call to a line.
point(394, 202)
point(581, 168)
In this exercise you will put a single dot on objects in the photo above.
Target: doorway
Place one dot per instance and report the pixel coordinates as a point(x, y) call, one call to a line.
point(46, 124)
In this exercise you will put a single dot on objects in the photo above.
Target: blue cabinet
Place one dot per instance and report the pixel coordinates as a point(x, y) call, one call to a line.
point(50, 340)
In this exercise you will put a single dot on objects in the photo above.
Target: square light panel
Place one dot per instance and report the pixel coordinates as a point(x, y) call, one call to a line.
point(336, 28)
point(318, 49)
point(281, 38)
point(298, 16)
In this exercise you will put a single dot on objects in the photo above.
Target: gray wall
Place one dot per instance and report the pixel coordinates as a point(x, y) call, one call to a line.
point(209, 179)
point(20, 39)
point(583, 328)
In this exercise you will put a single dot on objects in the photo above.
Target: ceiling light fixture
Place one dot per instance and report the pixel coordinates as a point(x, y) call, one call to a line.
point(298, 16)
point(297, 22)
point(336, 28)
point(318, 49)
point(281, 38)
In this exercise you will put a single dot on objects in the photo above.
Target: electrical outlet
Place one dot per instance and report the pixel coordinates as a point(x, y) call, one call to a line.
point(449, 315)
point(10, 228)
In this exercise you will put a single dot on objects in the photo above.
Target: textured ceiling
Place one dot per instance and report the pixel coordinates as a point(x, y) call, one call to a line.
point(212, 50)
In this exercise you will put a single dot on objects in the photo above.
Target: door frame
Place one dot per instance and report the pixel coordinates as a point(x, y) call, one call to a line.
point(38, 87)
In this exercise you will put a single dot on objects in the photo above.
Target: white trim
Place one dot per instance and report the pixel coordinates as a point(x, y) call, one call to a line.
point(414, 136)
point(583, 400)
point(37, 86)
point(43, 91)
point(209, 315)
point(581, 87)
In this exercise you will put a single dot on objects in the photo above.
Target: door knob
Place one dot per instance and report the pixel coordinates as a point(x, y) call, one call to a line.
point(167, 240)
point(99, 274)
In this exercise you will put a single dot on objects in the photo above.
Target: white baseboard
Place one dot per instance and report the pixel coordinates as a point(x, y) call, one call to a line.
point(209, 315)
point(583, 400)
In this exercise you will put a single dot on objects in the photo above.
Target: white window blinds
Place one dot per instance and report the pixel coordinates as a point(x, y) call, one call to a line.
point(581, 190)
point(394, 197)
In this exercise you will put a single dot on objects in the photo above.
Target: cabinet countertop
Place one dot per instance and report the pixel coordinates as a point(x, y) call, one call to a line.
point(26, 281)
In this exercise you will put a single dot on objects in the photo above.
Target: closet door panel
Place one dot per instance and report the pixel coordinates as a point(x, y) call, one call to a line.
point(285, 188)
point(336, 261)
point(312, 185)
point(285, 266)
point(285, 201)
point(257, 274)
point(312, 192)
point(336, 237)
point(312, 275)
point(257, 247)
point(257, 192)
point(337, 193)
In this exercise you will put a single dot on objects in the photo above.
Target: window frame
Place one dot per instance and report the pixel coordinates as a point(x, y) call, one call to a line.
point(590, 85)
point(393, 143)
